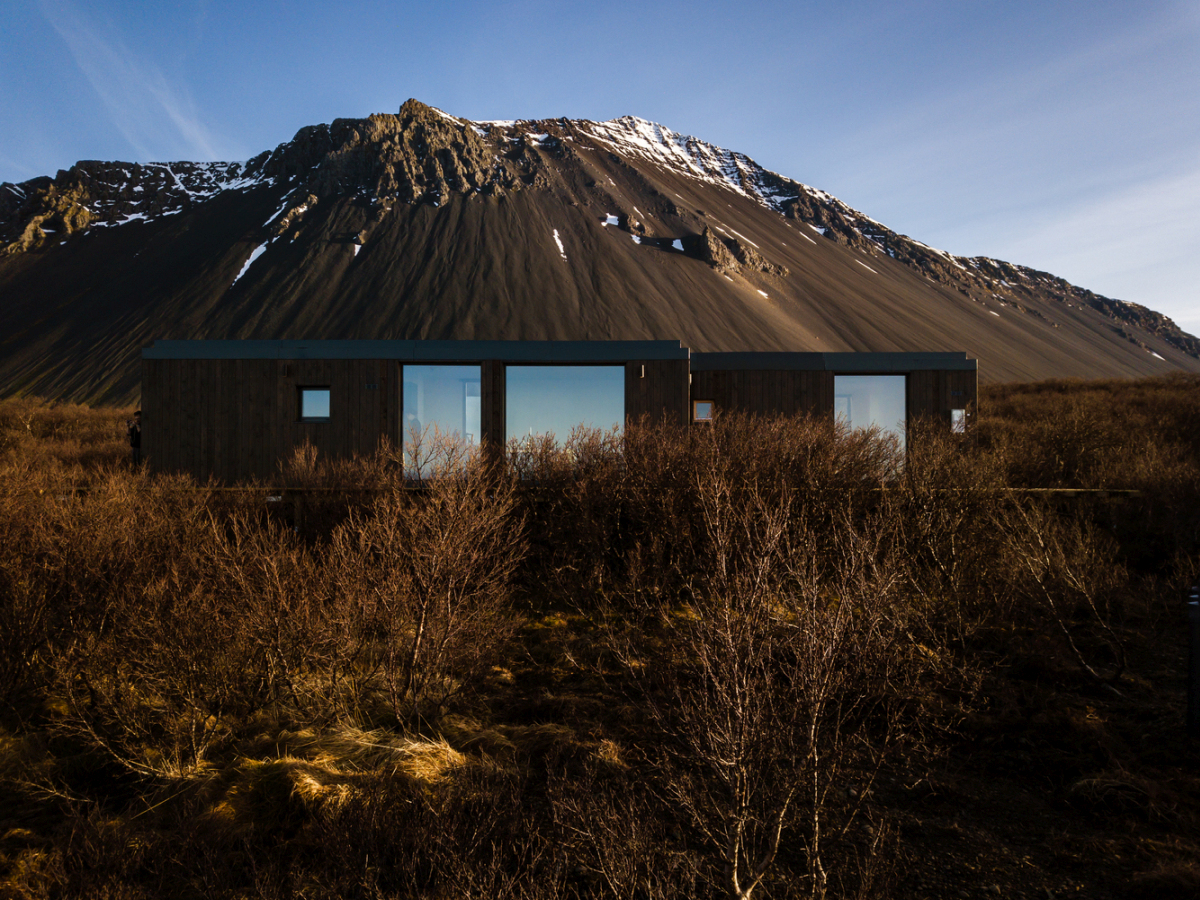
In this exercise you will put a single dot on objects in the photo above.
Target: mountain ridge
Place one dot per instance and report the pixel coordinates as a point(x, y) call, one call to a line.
point(451, 214)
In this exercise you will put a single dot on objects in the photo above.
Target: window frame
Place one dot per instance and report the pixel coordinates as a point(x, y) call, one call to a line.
point(300, 391)
point(697, 418)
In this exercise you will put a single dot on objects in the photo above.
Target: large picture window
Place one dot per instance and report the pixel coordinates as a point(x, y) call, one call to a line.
point(442, 400)
point(872, 401)
point(553, 400)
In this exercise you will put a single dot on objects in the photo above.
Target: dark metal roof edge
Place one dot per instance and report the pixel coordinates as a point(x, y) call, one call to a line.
point(897, 362)
point(420, 351)
point(558, 352)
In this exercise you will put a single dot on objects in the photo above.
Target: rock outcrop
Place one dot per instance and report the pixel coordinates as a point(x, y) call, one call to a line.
point(728, 254)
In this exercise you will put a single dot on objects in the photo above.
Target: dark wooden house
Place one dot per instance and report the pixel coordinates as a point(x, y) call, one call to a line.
point(234, 409)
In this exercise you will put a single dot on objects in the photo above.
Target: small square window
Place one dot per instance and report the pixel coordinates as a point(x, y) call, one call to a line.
point(702, 410)
point(314, 404)
point(958, 421)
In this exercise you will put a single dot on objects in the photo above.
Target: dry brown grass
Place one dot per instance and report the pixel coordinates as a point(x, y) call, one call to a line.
point(490, 686)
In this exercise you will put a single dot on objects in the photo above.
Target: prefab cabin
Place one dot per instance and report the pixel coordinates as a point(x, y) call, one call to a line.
point(235, 409)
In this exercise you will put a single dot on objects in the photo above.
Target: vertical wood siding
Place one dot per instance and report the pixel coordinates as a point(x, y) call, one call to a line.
point(933, 394)
point(765, 391)
point(237, 419)
point(661, 392)
point(491, 402)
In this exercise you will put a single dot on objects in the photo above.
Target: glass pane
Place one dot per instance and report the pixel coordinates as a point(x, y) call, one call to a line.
point(314, 403)
point(445, 398)
point(554, 399)
point(865, 401)
point(702, 411)
point(958, 421)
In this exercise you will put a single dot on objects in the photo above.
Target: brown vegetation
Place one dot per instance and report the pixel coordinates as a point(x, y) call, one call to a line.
point(761, 658)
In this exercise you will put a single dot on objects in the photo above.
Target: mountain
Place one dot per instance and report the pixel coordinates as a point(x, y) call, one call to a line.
point(425, 225)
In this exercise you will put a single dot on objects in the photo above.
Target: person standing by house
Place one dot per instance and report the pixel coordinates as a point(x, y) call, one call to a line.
point(134, 427)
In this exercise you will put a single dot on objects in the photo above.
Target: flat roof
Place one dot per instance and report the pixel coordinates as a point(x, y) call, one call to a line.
point(422, 351)
point(846, 363)
point(560, 352)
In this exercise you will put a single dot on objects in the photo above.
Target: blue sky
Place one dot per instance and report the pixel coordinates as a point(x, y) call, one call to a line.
point(1062, 135)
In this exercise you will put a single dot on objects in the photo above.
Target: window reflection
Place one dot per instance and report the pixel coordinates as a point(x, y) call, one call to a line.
point(866, 401)
point(443, 400)
point(552, 400)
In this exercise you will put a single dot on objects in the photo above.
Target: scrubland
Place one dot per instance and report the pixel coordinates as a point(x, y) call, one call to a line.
point(761, 658)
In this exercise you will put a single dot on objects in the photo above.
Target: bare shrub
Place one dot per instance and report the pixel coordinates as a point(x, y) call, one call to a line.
point(31, 614)
point(1069, 571)
point(176, 659)
point(948, 510)
point(320, 493)
point(778, 677)
point(268, 579)
point(1099, 434)
point(606, 510)
point(573, 496)
point(123, 612)
point(431, 576)
point(430, 453)
point(71, 552)
point(785, 605)
point(617, 837)
point(65, 436)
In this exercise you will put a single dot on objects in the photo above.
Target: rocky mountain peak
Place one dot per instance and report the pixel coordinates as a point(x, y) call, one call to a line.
point(419, 154)
point(424, 224)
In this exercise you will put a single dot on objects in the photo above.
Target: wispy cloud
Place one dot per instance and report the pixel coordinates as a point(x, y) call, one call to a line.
point(1080, 162)
point(1140, 243)
point(157, 118)
point(16, 169)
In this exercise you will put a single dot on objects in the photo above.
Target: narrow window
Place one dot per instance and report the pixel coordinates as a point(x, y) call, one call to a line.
point(702, 410)
point(958, 421)
point(314, 404)
point(443, 416)
point(445, 399)
point(871, 401)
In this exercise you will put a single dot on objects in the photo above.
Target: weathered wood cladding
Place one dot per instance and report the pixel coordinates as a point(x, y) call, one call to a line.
point(240, 418)
point(789, 392)
point(492, 402)
point(231, 410)
point(657, 389)
point(935, 393)
point(765, 391)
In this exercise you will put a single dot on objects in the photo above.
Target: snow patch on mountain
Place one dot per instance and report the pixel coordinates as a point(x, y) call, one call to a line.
point(642, 139)
point(254, 254)
point(154, 190)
